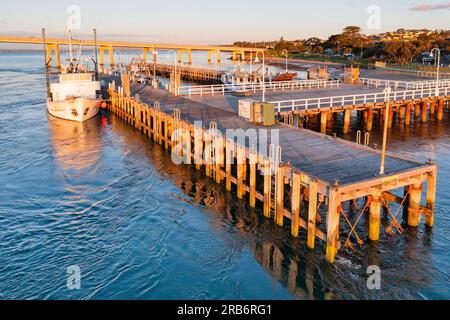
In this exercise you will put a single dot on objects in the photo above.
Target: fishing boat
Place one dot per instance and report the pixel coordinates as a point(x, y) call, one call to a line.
point(239, 76)
point(76, 93)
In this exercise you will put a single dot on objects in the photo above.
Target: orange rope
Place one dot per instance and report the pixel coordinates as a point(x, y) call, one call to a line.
point(353, 227)
point(394, 223)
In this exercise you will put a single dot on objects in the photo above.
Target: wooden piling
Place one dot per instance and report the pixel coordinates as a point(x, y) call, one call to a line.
point(391, 117)
point(424, 111)
point(229, 162)
point(347, 119)
point(432, 108)
point(280, 195)
point(296, 203)
point(323, 122)
point(431, 198)
point(312, 214)
point(408, 114)
point(375, 214)
point(369, 125)
point(219, 158)
point(417, 110)
point(401, 112)
point(267, 188)
point(208, 153)
point(240, 172)
point(332, 225)
point(253, 160)
point(440, 111)
point(415, 193)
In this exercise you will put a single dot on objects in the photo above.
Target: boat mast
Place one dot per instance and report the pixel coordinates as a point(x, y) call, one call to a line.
point(96, 57)
point(78, 60)
point(47, 77)
point(70, 47)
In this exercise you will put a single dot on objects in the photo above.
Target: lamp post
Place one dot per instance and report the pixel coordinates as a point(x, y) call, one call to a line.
point(155, 83)
point(387, 93)
point(286, 52)
point(263, 75)
point(437, 57)
point(175, 69)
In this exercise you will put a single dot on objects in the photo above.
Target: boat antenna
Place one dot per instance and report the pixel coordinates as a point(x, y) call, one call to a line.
point(70, 46)
point(78, 60)
point(96, 57)
point(47, 62)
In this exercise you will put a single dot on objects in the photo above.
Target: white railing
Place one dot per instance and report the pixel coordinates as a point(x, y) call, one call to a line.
point(221, 89)
point(416, 73)
point(341, 101)
point(407, 85)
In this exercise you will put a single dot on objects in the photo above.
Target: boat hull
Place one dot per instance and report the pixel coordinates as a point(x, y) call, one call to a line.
point(78, 109)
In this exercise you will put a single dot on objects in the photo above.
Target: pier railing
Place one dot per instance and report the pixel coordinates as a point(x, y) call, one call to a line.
point(245, 87)
point(361, 99)
point(407, 85)
point(229, 162)
point(416, 73)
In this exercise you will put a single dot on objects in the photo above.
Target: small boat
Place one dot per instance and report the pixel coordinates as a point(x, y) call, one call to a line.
point(285, 77)
point(76, 94)
point(76, 97)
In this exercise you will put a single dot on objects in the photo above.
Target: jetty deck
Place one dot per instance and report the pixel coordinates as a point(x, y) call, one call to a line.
point(308, 171)
point(231, 101)
point(343, 161)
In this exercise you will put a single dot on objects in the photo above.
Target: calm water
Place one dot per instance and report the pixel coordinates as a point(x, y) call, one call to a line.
point(101, 196)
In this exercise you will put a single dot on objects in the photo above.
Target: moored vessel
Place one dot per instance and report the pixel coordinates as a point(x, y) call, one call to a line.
point(76, 93)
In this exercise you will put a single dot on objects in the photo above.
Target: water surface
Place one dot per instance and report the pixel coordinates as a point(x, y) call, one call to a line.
point(101, 196)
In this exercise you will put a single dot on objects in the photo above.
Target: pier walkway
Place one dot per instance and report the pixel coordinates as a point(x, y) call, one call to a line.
point(315, 169)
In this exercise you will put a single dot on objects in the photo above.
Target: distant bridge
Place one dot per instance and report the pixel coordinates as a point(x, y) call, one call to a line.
point(53, 46)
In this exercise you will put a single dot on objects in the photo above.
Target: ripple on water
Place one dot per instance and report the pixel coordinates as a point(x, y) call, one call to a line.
point(103, 197)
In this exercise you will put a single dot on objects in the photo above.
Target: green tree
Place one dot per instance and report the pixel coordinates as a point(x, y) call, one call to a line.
point(400, 52)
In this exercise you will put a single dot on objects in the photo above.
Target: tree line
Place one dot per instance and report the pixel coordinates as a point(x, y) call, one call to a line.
point(352, 42)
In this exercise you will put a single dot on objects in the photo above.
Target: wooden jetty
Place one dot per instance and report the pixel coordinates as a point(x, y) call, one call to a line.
point(407, 104)
point(189, 73)
point(307, 172)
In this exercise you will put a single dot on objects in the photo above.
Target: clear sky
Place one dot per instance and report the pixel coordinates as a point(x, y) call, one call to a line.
point(214, 22)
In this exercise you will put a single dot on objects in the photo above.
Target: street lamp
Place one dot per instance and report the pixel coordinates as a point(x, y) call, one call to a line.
point(437, 57)
point(175, 68)
point(286, 52)
point(155, 83)
point(387, 93)
point(264, 73)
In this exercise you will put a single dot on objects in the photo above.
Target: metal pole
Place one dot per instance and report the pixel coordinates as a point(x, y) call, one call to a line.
point(70, 47)
point(387, 92)
point(285, 51)
point(96, 57)
point(155, 53)
point(438, 61)
point(47, 77)
point(264, 78)
point(176, 75)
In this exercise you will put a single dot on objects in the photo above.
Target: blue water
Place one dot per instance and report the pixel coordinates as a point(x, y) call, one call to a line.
point(103, 197)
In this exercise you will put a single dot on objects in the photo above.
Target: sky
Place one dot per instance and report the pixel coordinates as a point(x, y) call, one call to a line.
point(219, 22)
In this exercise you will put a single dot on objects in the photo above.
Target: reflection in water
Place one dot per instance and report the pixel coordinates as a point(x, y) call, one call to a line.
point(77, 145)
